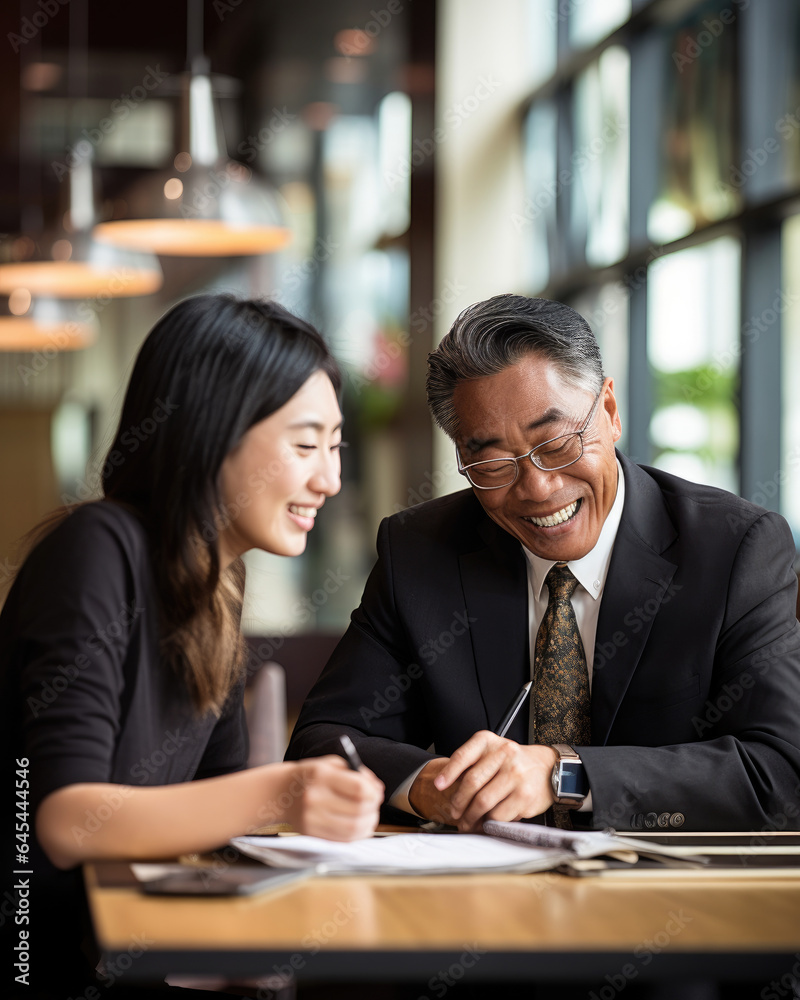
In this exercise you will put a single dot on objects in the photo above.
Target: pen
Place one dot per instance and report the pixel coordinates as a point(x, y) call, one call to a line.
point(350, 752)
point(513, 708)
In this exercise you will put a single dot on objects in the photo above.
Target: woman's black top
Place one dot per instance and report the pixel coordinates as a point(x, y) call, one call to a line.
point(86, 697)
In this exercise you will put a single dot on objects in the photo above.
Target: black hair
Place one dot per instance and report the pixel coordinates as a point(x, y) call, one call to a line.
point(211, 368)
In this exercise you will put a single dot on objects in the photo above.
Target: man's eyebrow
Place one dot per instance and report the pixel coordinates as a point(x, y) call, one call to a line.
point(551, 416)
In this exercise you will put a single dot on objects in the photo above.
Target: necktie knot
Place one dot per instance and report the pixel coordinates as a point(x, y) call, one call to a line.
point(561, 583)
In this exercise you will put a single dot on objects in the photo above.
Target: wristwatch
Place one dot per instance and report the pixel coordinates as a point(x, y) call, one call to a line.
point(570, 785)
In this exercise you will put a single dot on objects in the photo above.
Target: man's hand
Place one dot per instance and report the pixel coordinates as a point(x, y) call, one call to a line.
point(487, 778)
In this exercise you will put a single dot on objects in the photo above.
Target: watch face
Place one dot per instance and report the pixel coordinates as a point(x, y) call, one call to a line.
point(572, 779)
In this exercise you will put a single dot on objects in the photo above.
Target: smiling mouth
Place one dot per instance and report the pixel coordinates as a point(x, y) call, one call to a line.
point(560, 516)
point(303, 511)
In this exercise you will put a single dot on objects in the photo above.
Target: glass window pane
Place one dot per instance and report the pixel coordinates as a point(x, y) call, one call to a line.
point(693, 349)
point(538, 216)
point(394, 151)
point(770, 83)
point(606, 309)
point(598, 171)
point(143, 138)
point(790, 366)
point(698, 128)
point(541, 26)
point(592, 20)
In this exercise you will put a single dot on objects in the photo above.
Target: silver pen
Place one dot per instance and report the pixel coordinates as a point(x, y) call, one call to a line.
point(513, 709)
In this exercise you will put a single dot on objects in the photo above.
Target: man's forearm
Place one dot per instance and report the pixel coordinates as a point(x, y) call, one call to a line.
point(693, 787)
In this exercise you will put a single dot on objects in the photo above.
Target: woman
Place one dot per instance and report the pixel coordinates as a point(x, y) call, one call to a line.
point(122, 657)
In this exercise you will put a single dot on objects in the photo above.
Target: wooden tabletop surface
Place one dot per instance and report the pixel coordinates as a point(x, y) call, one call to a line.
point(540, 911)
point(329, 920)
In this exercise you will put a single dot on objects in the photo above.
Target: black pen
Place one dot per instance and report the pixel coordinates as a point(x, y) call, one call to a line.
point(353, 760)
point(513, 708)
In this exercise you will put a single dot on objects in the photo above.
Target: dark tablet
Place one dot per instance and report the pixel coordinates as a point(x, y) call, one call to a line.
point(235, 880)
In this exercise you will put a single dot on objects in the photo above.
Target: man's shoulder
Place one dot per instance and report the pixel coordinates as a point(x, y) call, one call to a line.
point(673, 486)
point(444, 509)
point(694, 505)
point(455, 519)
point(451, 525)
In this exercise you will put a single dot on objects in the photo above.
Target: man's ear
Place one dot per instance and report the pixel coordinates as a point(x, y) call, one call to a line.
point(611, 409)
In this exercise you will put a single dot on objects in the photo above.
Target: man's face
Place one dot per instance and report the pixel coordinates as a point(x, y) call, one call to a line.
point(521, 407)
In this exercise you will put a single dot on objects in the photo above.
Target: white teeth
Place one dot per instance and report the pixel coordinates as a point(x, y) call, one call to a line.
point(558, 518)
point(303, 511)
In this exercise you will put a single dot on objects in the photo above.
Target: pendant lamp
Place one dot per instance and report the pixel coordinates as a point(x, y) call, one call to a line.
point(47, 326)
point(207, 205)
point(70, 264)
point(82, 267)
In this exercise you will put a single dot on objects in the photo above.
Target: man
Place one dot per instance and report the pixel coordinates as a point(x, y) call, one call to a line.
point(655, 617)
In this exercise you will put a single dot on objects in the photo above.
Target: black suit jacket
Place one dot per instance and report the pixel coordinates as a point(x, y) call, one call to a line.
point(696, 672)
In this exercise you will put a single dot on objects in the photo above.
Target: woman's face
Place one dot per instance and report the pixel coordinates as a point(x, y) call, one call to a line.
point(278, 476)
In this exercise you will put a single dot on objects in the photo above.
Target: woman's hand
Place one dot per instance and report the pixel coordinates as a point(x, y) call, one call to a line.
point(325, 798)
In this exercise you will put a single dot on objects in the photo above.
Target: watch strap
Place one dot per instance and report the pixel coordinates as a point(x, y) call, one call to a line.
point(566, 754)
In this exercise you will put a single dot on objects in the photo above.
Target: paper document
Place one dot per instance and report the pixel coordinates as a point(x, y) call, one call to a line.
point(511, 847)
point(405, 853)
point(583, 843)
point(593, 843)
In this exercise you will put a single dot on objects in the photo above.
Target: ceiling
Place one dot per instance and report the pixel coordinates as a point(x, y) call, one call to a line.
point(283, 55)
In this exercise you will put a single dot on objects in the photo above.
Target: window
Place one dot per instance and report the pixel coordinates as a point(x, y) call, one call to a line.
point(788, 479)
point(698, 126)
point(591, 20)
point(606, 310)
point(680, 219)
point(599, 162)
point(693, 350)
point(542, 187)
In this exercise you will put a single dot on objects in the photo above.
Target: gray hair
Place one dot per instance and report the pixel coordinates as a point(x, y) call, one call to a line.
point(489, 336)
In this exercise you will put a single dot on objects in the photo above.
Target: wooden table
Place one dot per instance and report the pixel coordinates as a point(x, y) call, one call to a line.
point(484, 927)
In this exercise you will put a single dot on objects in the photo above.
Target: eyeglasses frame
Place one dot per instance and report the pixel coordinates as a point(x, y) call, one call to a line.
point(463, 469)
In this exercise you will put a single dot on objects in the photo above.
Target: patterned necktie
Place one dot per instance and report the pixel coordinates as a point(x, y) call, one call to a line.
point(560, 679)
point(561, 704)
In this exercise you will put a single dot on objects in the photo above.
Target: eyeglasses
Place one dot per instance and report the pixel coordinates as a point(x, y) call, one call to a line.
point(557, 453)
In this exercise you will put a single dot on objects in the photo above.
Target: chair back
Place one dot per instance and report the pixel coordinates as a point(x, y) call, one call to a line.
point(266, 715)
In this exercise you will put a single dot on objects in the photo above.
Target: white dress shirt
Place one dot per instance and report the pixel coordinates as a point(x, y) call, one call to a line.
point(590, 571)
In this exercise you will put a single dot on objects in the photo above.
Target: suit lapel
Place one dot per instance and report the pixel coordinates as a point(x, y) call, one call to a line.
point(638, 579)
point(495, 586)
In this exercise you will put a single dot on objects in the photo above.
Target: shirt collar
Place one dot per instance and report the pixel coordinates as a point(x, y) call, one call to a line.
point(590, 570)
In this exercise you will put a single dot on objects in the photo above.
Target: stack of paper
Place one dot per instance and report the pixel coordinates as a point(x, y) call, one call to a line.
point(406, 854)
point(512, 847)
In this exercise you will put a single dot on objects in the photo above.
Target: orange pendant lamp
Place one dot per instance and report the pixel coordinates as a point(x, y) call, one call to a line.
point(208, 205)
point(66, 263)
